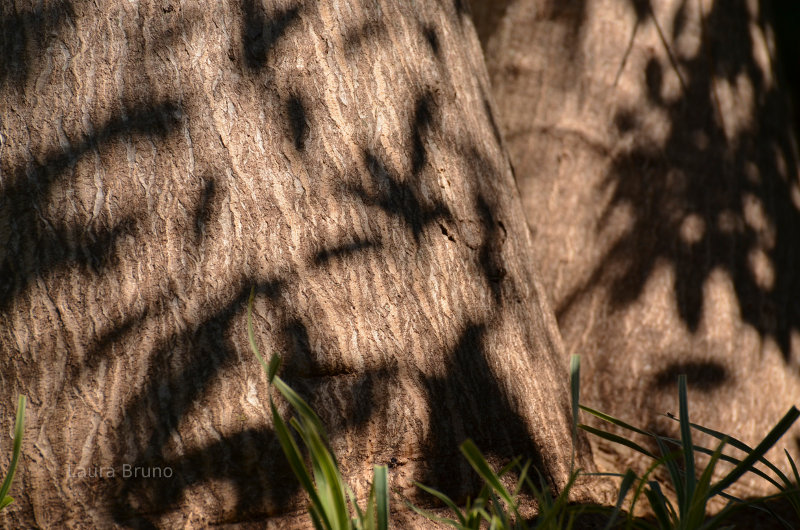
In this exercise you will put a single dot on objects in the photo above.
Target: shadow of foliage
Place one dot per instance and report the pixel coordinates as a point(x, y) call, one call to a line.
point(24, 37)
point(185, 364)
point(261, 31)
point(469, 391)
point(33, 247)
point(704, 376)
point(398, 197)
point(715, 194)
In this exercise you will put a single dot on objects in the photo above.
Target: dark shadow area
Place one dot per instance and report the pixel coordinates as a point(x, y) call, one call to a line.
point(785, 17)
point(206, 207)
point(171, 392)
point(298, 121)
point(300, 360)
point(470, 392)
point(101, 348)
point(398, 198)
point(24, 37)
point(372, 32)
point(316, 374)
point(62, 246)
point(490, 116)
point(573, 14)
point(423, 120)
point(491, 261)
point(322, 257)
point(703, 199)
point(461, 7)
point(261, 31)
point(35, 247)
point(251, 460)
point(491, 251)
point(487, 16)
point(704, 376)
point(432, 38)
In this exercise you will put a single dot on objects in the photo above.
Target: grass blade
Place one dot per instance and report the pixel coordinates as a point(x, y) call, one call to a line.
point(328, 479)
point(479, 464)
point(741, 446)
point(642, 483)
point(699, 499)
point(19, 428)
point(611, 419)
point(617, 439)
point(730, 459)
point(686, 443)
point(435, 518)
point(295, 459)
point(674, 473)
point(627, 481)
point(305, 412)
point(554, 511)
point(442, 497)
point(769, 440)
point(575, 388)
point(380, 485)
point(794, 468)
point(361, 517)
point(661, 506)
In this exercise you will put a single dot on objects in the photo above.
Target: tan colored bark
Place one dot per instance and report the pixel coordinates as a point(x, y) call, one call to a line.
point(160, 158)
point(655, 157)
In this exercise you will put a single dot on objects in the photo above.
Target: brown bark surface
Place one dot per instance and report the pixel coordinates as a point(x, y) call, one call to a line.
point(659, 172)
point(159, 158)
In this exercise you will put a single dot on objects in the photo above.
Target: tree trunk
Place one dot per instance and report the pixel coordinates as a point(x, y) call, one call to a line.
point(658, 168)
point(160, 158)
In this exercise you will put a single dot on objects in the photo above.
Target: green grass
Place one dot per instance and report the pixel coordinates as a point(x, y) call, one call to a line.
point(332, 504)
point(497, 507)
point(328, 493)
point(692, 493)
point(19, 427)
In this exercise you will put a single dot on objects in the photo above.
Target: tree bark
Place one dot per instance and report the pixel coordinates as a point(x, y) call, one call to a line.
point(656, 160)
point(160, 158)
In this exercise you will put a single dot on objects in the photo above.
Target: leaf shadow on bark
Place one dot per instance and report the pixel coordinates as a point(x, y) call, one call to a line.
point(261, 31)
point(398, 197)
point(708, 197)
point(173, 389)
point(470, 392)
point(703, 376)
point(36, 246)
point(251, 458)
point(207, 207)
point(24, 37)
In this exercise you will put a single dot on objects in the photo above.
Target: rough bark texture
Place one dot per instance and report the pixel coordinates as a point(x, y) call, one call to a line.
point(659, 173)
point(160, 158)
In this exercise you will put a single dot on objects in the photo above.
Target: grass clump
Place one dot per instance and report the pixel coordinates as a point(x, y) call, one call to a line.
point(333, 506)
point(496, 506)
point(327, 491)
point(693, 492)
